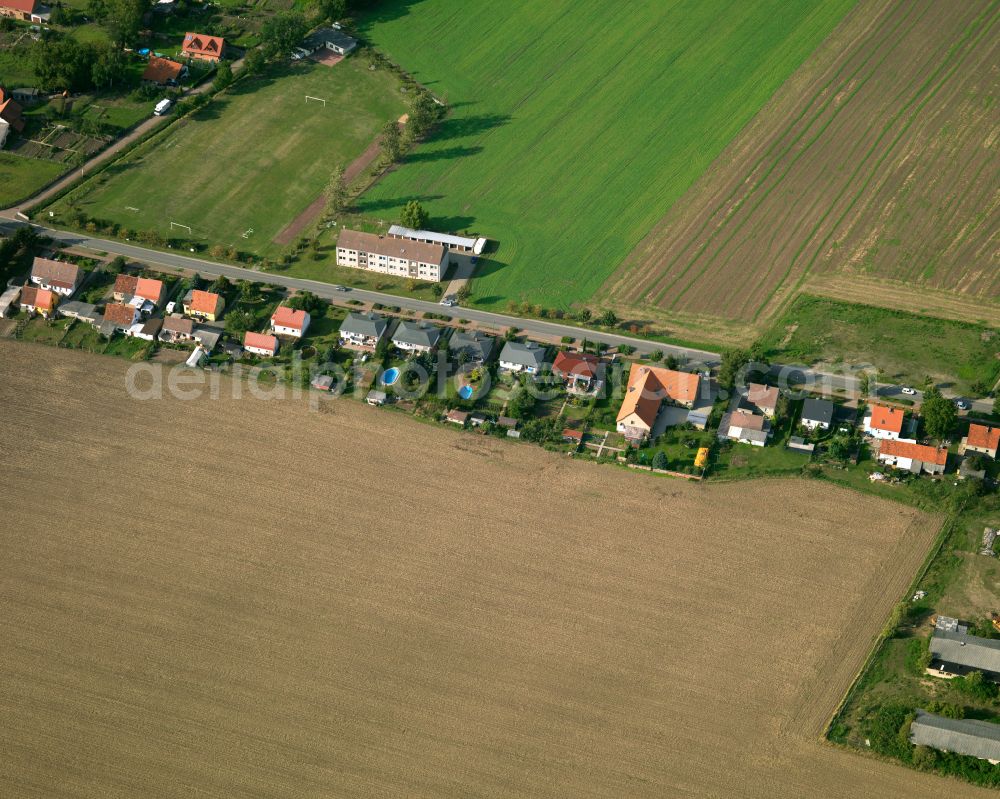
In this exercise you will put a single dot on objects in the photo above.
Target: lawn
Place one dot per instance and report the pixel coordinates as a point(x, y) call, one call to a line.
point(236, 189)
point(907, 347)
point(575, 125)
point(22, 177)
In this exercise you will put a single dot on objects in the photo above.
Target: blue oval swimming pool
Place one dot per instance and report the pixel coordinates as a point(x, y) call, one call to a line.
point(390, 376)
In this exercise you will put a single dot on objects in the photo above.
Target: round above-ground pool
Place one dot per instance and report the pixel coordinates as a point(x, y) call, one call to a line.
point(466, 392)
point(390, 376)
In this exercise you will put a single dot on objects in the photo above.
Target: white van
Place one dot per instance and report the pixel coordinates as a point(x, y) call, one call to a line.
point(162, 107)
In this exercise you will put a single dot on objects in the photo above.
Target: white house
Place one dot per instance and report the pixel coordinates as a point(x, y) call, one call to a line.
point(817, 413)
point(287, 321)
point(908, 455)
point(260, 344)
point(60, 277)
point(884, 423)
point(749, 428)
point(363, 331)
point(517, 357)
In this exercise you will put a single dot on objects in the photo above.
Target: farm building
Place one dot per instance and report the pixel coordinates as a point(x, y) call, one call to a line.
point(61, 277)
point(390, 256)
point(979, 739)
point(260, 344)
point(955, 653)
point(163, 72)
point(10, 114)
point(202, 47)
point(416, 336)
point(525, 357)
point(363, 331)
point(817, 413)
point(8, 301)
point(983, 439)
point(648, 388)
point(910, 456)
point(376, 398)
point(36, 300)
point(763, 398)
point(577, 370)
point(84, 311)
point(478, 346)
point(462, 244)
point(148, 330)
point(204, 305)
point(331, 39)
point(287, 321)
point(884, 422)
point(24, 10)
point(457, 417)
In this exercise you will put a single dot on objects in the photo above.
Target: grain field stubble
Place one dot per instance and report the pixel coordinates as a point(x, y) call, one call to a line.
point(222, 598)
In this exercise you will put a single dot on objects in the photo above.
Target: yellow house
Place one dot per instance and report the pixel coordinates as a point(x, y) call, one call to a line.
point(204, 305)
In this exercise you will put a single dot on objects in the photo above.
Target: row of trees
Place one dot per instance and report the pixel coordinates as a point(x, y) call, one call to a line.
point(63, 63)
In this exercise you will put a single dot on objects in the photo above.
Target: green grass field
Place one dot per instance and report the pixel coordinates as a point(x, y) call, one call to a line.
point(22, 177)
point(576, 124)
point(908, 347)
point(252, 160)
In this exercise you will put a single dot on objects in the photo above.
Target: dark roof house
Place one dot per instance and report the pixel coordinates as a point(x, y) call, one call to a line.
point(478, 345)
point(817, 412)
point(416, 335)
point(955, 652)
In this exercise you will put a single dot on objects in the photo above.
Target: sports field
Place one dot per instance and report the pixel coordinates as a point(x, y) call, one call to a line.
point(22, 177)
point(876, 163)
point(252, 161)
point(577, 124)
point(243, 598)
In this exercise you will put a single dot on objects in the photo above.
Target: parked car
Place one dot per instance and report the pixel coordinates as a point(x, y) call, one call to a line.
point(962, 405)
point(449, 301)
point(908, 390)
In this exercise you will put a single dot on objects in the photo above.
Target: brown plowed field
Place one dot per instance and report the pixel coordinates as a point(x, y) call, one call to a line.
point(878, 158)
point(240, 598)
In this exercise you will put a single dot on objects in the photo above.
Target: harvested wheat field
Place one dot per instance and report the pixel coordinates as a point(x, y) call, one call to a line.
point(878, 158)
point(225, 598)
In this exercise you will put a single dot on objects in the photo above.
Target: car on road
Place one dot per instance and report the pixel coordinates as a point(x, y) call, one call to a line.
point(448, 301)
point(340, 288)
point(962, 405)
point(909, 391)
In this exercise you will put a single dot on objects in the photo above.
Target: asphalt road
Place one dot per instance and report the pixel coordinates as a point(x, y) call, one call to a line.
point(794, 374)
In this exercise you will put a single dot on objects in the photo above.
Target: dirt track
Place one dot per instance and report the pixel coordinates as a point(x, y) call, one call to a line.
point(877, 159)
point(242, 598)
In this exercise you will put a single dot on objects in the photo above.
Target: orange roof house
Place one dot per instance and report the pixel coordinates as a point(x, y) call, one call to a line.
point(884, 422)
point(161, 71)
point(206, 304)
point(289, 321)
point(983, 438)
point(912, 456)
point(36, 299)
point(200, 46)
point(147, 288)
point(10, 113)
point(648, 387)
point(119, 314)
point(575, 367)
point(260, 343)
point(21, 9)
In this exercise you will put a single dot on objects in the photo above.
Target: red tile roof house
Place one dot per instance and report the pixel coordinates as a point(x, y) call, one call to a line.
point(119, 316)
point(148, 289)
point(287, 321)
point(457, 417)
point(25, 10)
point(571, 436)
point(10, 115)
point(913, 457)
point(202, 47)
point(260, 344)
point(648, 388)
point(61, 277)
point(982, 439)
point(163, 71)
point(763, 398)
point(884, 422)
point(36, 300)
point(576, 369)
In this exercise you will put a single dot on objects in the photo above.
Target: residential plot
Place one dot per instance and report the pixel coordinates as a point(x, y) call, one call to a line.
point(548, 634)
point(237, 172)
point(576, 125)
point(877, 160)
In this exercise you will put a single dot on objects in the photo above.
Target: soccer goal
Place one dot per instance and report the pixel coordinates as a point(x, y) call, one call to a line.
point(315, 100)
point(178, 224)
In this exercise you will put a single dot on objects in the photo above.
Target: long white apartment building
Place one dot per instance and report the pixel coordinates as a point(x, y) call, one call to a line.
point(391, 256)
